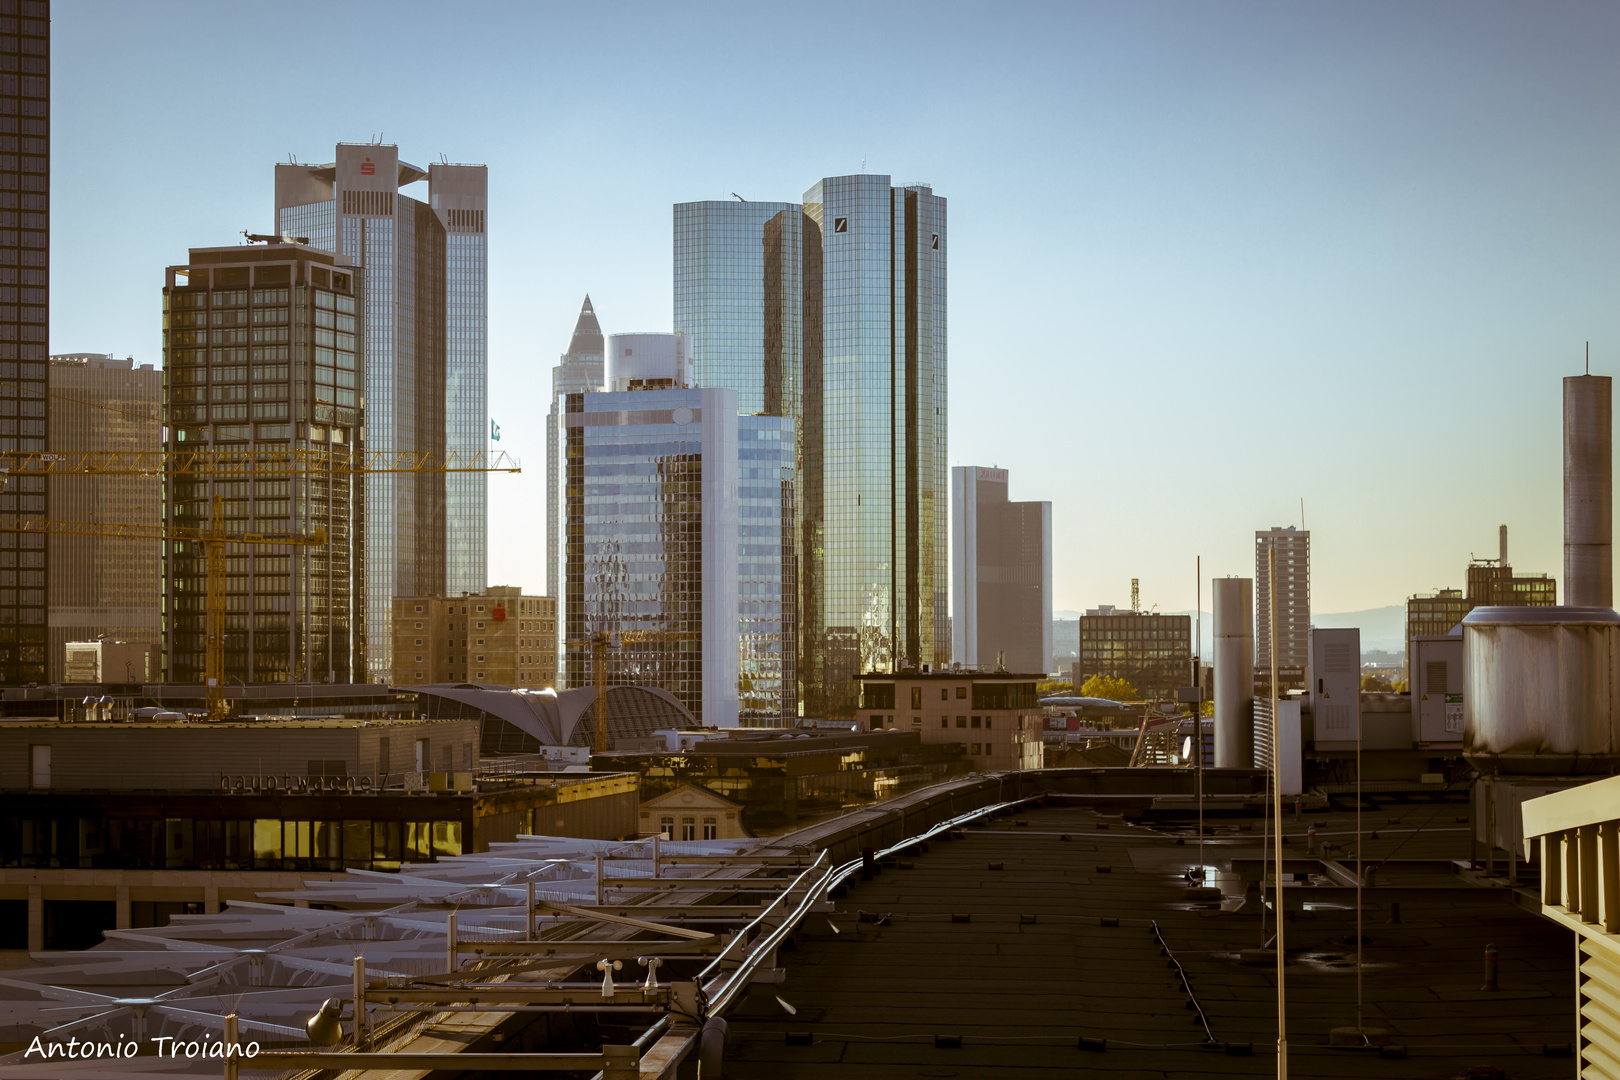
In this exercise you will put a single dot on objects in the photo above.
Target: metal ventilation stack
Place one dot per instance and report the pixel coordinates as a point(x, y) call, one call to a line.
point(1542, 700)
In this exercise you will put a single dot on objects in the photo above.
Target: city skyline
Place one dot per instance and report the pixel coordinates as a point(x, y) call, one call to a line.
point(1313, 225)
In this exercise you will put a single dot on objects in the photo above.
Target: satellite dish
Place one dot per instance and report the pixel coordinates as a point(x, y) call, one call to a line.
point(1186, 748)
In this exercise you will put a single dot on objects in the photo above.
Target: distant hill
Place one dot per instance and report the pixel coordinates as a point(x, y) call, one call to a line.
point(1381, 628)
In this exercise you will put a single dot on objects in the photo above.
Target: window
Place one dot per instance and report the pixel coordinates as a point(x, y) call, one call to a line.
point(480, 641)
point(481, 660)
point(961, 691)
point(688, 828)
point(916, 721)
point(711, 829)
point(944, 721)
point(666, 826)
point(987, 721)
point(419, 609)
point(39, 760)
point(975, 749)
point(418, 674)
point(916, 697)
point(944, 694)
point(480, 607)
point(480, 626)
point(419, 658)
point(961, 721)
point(877, 722)
point(975, 721)
point(419, 626)
point(418, 643)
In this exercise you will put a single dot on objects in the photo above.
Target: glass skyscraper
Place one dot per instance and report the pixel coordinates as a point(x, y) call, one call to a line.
point(427, 358)
point(652, 551)
point(831, 313)
point(25, 234)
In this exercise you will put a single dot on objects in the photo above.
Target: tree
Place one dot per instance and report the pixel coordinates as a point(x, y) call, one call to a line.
point(1106, 686)
point(1376, 684)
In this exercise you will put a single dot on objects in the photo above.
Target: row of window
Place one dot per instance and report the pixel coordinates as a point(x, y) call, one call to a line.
point(689, 828)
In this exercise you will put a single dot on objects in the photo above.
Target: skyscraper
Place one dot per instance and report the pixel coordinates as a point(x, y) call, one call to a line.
point(652, 532)
point(104, 586)
point(578, 370)
point(1001, 561)
point(426, 370)
point(262, 347)
point(831, 313)
point(1293, 548)
point(25, 233)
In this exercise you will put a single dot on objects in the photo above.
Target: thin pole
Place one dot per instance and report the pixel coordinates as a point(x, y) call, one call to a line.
point(1276, 810)
point(1359, 1023)
point(1198, 706)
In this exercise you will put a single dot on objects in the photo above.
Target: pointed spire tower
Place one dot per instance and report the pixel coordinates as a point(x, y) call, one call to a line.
point(587, 339)
point(579, 370)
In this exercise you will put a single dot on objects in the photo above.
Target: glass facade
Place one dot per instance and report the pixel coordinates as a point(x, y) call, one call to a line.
point(25, 165)
point(767, 573)
point(1151, 652)
point(426, 386)
point(263, 346)
point(652, 534)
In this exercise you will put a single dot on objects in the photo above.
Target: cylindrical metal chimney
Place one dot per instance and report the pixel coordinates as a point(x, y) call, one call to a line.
point(1588, 492)
point(1501, 540)
point(1234, 672)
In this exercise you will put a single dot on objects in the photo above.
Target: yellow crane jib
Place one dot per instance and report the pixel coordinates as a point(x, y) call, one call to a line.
point(251, 461)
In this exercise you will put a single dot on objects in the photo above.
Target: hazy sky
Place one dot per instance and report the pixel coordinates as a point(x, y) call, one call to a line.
point(1206, 259)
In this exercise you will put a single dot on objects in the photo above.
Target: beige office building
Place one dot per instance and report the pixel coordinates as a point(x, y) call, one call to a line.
point(995, 716)
point(101, 587)
point(499, 637)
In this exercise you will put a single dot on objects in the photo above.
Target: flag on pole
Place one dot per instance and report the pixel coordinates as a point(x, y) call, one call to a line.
point(494, 431)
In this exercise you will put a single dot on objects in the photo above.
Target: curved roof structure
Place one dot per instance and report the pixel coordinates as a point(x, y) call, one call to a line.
point(522, 721)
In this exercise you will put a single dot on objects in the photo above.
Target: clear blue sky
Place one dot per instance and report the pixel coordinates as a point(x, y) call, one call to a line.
point(1206, 258)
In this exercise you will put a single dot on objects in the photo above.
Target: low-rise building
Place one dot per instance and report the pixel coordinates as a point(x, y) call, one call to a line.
point(121, 825)
point(117, 662)
point(692, 812)
point(1150, 651)
point(993, 715)
point(499, 637)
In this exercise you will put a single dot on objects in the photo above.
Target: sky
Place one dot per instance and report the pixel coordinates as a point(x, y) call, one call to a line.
point(1207, 260)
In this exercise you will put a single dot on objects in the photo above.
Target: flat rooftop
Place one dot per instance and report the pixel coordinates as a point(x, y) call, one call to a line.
point(1067, 922)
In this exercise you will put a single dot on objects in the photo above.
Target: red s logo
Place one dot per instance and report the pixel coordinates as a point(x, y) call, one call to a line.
point(367, 168)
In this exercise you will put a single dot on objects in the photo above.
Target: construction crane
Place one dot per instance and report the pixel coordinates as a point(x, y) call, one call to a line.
point(252, 462)
point(599, 643)
point(214, 541)
point(248, 462)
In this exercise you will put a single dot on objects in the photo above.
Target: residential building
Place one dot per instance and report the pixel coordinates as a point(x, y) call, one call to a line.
point(1001, 563)
point(261, 348)
point(994, 716)
point(692, 812)
point(1293, 547)
point(25, 184)
point(499, 637)
point(830, 313)
point(425, 381)
point(781, 777)
point(577, 371)
point(1150, 651)
point(103, 586)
